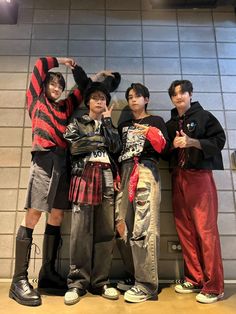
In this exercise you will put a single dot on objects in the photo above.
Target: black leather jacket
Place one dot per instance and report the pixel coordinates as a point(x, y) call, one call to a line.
point(82, 139)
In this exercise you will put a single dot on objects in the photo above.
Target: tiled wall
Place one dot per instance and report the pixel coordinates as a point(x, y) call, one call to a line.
point(145, 45)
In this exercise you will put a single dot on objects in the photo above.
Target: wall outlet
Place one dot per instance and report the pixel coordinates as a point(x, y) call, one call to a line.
point(174, 247)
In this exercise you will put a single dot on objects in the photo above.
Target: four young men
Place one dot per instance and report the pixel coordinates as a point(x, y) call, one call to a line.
point(196, 138)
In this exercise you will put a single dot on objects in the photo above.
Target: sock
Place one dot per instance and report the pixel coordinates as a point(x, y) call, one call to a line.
point(24, 233)
point(52, 230)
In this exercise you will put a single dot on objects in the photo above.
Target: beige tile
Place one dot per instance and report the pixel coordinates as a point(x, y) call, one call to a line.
point(8, 199)
point(11, 117)
point(24, 177)
point(20, 64)
point(10, 136)
point(21, 199)
point(27, 137)
point(10, 157)
point(13, 81)
point(5, 269)
point(9, 177)
point(27, 122)
point(7, 222)
point(26, 157)
point(11, 98)
point(6, 245)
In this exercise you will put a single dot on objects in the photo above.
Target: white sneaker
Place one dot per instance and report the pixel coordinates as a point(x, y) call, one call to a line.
point(72, 296)
point(110, 293)
point(187, 287)
point(208, 298)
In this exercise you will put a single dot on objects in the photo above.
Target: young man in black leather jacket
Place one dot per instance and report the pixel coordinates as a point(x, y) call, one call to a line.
point(92, 140)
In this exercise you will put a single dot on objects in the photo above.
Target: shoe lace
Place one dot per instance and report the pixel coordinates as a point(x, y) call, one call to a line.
point(136, 289)
point(187, 284)
point(36, 251)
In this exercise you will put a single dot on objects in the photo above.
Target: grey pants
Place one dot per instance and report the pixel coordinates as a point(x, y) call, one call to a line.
point(92, 240)
point(141, 219)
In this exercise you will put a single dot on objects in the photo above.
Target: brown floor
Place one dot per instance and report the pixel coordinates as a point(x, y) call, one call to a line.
point(168, 302)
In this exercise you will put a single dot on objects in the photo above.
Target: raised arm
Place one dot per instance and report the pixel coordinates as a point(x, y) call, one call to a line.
point(41, 68)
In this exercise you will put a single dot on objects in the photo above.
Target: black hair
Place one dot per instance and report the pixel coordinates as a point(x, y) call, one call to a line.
point(186, 86)
point(96, 87)
point(140, 90)
point(55, 76)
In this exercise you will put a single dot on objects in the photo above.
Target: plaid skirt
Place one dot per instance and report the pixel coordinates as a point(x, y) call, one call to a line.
point(86, 188)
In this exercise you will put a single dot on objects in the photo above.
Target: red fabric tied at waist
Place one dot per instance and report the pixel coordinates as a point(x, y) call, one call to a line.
point(87, 188)
point(133, 181)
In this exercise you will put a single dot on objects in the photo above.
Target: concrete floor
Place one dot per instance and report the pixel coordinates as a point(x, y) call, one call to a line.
point(168, 302)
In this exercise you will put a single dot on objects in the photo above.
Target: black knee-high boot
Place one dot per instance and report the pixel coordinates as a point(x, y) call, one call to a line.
point(21, 290)
point(48, 277)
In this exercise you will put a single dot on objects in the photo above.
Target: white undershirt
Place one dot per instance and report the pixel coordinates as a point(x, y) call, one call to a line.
point(99, 155)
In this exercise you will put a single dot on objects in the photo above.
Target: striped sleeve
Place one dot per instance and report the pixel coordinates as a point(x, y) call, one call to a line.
point(41, 68)
point(72, 102)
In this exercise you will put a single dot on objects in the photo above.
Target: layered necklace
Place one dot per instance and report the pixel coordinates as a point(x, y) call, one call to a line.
point(140, 120)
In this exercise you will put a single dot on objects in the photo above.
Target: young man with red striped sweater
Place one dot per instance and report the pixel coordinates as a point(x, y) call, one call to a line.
point(48, 184)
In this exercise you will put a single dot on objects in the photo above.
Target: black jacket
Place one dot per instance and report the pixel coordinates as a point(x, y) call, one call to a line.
point(82, 139)
point(202, 125)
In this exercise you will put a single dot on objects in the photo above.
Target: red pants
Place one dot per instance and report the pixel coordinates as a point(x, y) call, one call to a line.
point(195, 207)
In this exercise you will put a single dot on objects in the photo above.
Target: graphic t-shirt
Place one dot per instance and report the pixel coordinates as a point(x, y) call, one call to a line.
point(135, 144)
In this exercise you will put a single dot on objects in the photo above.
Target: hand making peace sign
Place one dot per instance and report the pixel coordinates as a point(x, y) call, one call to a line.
point(108, 111)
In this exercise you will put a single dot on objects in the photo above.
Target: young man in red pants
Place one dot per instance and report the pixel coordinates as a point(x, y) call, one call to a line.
point(197, 138)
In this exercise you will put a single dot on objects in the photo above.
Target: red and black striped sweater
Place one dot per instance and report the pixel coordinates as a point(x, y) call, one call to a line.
point(49, 120)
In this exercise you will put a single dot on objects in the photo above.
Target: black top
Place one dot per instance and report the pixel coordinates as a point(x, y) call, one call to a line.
point(202, 125)
point(138, 145)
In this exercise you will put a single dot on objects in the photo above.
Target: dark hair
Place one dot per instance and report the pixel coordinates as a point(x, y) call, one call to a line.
point(139, 89)
point(55, 76)
point(96, 87)
point(186, 86)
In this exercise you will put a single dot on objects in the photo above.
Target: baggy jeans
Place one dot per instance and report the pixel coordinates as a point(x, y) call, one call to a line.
point(92, 240)
point(141, 218)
